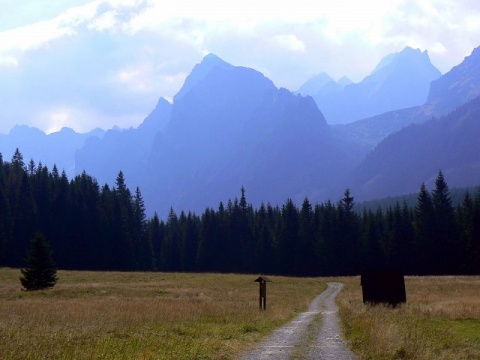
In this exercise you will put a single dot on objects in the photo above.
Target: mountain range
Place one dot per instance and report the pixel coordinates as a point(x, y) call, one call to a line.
point(230, 126)
point(57, 148)
point(400, 80)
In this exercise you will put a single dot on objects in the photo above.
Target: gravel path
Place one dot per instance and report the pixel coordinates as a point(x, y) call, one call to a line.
point(308, 336)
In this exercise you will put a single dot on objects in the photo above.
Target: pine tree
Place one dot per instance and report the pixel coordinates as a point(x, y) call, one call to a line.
point(348, 241)
point(305, 261)
point(288, 239)
point(142, 244)
point(424, 222)
point(445, 228)
point(41, 272)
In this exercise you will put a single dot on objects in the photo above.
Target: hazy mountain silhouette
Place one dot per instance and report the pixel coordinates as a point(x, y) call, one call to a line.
point(415, 154)
point(450, 91)
point(456, 87)
point(199, 72)
point(344, 81)
point(323, 85)
point(229, 126)
point(234, 128)
point(315, 84)
point(56, 148)
point(400, 80)
point(125, 150)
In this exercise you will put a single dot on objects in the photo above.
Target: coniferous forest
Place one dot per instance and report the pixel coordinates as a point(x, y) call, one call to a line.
point(106, 228)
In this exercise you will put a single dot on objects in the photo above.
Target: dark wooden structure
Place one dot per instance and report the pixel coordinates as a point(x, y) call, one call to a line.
point(262, 280)
point(385, 286)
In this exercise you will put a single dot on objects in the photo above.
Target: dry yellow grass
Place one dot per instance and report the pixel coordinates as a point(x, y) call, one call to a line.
point(108, 315)
point(441, 320)
point(113, 315)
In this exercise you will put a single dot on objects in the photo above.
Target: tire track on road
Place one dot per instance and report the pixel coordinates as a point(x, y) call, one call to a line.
point(286, 342)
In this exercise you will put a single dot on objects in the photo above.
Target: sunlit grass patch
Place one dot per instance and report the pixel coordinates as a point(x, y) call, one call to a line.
point(115, 315)
point(441, 320)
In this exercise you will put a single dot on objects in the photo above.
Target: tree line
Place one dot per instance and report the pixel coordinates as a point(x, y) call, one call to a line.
point(106, 228)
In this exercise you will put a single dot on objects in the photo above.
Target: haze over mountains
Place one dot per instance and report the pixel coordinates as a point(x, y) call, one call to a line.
point(56, 148)
point(400, 80)
point(414, 154)
point(230, 126)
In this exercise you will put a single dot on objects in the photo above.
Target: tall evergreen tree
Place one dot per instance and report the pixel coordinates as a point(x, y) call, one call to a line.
point(306, 255)
point(40, 272)
point(348, 245)
point(398, 243)
point(288, 239)
point(171, 256)
point(107, 229)
point(445, 229)
point(208, 258)
point(425, 232)
point(371, 252)
point(142, 243)
point(475, 226)
point(465, 214)
point(155, 233)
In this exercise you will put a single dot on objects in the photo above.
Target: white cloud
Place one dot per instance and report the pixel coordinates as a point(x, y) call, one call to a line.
point(96, 15)
point(81, 119)
point(105, 22)
point(176, 79)
point(110, 60)
point(438, 49)
point(32, 36)
point(289, 42)
point(138, 78)
point(8, 61)
point(56, 119)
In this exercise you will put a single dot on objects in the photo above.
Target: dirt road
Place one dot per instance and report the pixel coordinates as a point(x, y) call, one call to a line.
point(314, 334)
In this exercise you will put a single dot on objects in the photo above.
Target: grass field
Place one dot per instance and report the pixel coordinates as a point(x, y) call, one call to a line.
point(112, 315)
point(441, 320)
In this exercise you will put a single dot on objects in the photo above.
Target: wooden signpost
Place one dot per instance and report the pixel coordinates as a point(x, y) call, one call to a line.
point(262, 280)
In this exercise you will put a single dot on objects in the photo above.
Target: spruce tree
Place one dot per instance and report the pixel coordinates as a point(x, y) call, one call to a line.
point(445, 227)
point(40, 272)
point(424, 223)
point(348, 240)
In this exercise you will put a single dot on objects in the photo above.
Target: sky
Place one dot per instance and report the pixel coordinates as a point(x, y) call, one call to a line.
point(86, 64)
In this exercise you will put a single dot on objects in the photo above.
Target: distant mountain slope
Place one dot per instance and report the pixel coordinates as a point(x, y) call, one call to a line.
point(416, 153)
point(235, 128)
point(315, 84)
point(125, 150)
point(459, 85)
point(367, 133)
point(56, 148)
point(450, 91)
point(401, 80)
point(323, 85)
point(229, 126)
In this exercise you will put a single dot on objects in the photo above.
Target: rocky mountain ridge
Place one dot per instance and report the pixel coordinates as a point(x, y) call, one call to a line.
point(230, 126)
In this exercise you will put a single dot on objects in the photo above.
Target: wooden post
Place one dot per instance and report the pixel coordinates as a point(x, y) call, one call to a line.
point(262, 301)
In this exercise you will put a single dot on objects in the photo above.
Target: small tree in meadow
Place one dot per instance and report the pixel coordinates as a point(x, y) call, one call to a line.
point(40, 272)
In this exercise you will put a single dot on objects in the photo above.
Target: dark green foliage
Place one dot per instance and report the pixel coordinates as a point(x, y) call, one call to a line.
point(103, 228)
point(40, 272)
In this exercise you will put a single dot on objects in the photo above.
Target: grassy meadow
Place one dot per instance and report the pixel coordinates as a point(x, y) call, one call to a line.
point(441, 320)
point(114, 315)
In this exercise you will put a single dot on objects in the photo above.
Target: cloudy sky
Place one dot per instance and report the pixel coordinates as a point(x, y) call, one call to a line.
point(86, 64)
